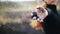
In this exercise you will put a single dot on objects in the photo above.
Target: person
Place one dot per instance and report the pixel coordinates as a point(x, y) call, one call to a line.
point(51, 23)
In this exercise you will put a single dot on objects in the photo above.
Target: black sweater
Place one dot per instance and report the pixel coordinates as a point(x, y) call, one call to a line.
point(54, 16)
point(52, 21)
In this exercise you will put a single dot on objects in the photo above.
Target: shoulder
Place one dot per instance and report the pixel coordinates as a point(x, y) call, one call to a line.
point(49, 11)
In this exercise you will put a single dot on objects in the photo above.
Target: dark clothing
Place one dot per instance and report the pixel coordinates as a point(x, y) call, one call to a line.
point(34, 15)
point(53, 8)
point(52, 21)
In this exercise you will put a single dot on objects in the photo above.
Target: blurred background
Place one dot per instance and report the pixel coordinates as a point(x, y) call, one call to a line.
point(15, 15)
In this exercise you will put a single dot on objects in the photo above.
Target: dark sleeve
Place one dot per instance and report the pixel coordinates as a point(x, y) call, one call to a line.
point(54, 16)
point(34, 15)
point(49, 11)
